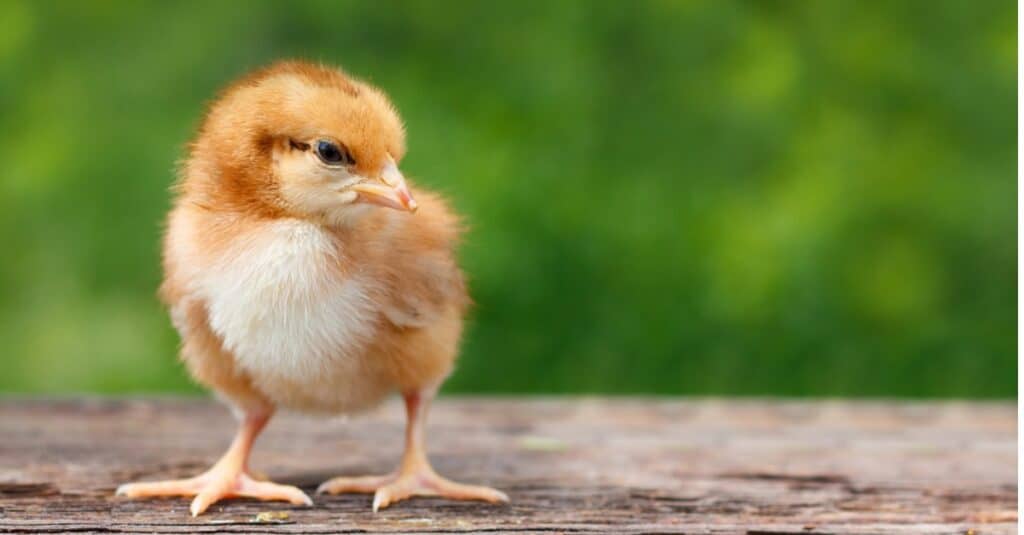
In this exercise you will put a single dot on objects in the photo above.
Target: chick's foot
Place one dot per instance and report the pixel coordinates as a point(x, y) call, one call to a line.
point(419, 481)
point(213, 486)
point(415, 476)
point(229, 477)
point(426, 482)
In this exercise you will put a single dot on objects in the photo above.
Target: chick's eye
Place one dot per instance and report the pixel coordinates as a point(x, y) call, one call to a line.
point(331, 153)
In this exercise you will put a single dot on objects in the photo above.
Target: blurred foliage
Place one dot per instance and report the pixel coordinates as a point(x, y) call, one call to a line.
point(677, 197)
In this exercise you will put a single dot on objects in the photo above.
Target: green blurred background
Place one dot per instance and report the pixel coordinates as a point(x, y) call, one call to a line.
point(672, 197)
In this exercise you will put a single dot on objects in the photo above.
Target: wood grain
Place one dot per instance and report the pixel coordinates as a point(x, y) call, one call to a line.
point(570, 465)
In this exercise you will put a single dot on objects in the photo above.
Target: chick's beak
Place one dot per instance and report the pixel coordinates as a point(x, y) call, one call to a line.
point(390, 190)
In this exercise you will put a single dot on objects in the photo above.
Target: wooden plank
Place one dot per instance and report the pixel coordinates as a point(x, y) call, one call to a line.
point(570, 465)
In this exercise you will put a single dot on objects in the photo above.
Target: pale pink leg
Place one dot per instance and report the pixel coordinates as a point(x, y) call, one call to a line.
point(415, 476)
point(229, 477)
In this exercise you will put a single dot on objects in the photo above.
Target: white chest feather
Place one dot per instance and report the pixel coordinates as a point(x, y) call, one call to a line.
point(281, 306)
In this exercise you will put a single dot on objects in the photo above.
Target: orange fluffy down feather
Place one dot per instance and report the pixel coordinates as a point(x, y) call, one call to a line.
point(303, 271)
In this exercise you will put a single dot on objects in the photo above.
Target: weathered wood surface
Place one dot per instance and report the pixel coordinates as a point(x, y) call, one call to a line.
point(569, 465)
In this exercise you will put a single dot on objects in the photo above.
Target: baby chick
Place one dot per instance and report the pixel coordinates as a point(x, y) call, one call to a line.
point(303, 271)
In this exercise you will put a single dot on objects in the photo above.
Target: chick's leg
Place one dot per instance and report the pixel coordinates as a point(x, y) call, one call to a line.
point(415, 476)
point(229, 477)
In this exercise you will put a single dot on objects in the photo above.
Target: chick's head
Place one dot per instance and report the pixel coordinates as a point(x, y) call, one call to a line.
point(303, 140)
